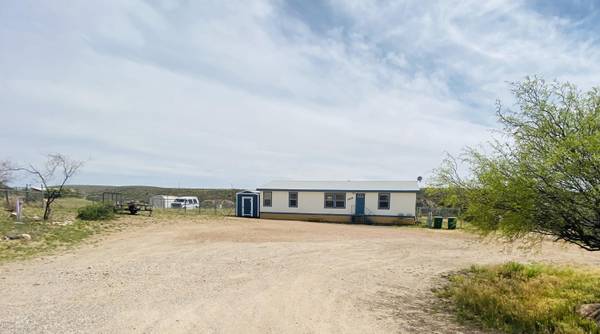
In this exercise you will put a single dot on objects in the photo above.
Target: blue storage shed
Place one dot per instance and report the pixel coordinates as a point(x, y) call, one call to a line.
point(247, 204)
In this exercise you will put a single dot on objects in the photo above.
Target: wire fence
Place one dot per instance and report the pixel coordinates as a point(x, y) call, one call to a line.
point(439, 212)
point(26, 195)
point(201, 210)
point(216, 207)
point(33, 197)
point(425, 215)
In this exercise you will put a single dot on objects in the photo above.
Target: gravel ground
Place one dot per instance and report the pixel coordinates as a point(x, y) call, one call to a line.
point(250, 276)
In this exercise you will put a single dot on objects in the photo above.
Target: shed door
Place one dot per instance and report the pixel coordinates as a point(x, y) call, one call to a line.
point(247, 206)
point(360, 204)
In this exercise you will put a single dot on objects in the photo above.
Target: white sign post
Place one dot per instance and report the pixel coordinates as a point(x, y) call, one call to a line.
point(18, 209)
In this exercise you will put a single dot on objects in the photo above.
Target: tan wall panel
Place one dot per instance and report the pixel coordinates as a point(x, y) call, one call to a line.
point(307, 217)
point(390, 220)
point(337, 218)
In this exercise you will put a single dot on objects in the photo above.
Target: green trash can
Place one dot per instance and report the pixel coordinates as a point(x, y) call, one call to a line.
point(437, 222)
point(451, 223)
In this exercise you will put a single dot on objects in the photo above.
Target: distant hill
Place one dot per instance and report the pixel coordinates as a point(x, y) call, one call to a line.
point(142, 193)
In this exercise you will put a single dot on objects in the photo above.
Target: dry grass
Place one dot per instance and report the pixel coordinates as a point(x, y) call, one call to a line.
point(518, 298)
point(51, 235)
point(202, 212)
point(54, 234)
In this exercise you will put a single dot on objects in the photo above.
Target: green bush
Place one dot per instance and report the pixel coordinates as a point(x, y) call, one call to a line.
point(97, 211)
point(525, 298)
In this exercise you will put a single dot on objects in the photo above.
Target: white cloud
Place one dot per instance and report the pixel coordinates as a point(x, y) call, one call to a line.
point(220, 93)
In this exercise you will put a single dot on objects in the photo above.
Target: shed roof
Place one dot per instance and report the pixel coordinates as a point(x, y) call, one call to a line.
point(392, 186)
point(247, 192)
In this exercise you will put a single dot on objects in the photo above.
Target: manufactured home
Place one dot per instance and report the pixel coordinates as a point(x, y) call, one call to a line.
point(371, 202)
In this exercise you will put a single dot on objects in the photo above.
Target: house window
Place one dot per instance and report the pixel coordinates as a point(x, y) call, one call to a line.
point(384, 201)
point(267, 198)
point(293, 199)
point(335, 200)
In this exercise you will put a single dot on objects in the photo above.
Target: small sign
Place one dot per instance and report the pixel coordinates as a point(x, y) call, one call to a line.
point(18, 209)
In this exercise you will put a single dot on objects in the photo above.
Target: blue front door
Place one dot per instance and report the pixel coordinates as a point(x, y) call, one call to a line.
point(247, 206)
point(360, 204)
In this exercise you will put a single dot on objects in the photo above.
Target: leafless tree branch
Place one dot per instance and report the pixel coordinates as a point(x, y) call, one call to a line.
point(53, 176)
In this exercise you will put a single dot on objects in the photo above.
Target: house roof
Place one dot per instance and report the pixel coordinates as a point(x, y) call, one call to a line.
point(391, 186)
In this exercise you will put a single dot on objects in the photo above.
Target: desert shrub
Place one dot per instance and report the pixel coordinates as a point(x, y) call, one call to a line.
point(525, 298)
point(97, 211)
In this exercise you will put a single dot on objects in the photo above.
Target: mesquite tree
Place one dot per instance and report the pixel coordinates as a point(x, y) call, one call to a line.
point(6, 169)
point(53, 176)
point(543, 175)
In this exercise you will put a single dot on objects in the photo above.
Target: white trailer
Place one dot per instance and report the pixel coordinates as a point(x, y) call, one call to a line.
point(162, 201)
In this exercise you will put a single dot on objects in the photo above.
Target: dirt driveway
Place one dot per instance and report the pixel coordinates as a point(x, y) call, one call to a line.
point(248, 276)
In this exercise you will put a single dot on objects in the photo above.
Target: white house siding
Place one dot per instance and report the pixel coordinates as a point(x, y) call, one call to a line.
point(401, 204)
point(308, 202)
point(313, 202)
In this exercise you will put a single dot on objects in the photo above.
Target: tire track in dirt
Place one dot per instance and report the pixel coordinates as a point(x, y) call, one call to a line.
point(251, 276)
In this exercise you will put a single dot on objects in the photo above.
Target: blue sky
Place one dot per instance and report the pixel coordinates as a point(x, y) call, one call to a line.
point(236, 93)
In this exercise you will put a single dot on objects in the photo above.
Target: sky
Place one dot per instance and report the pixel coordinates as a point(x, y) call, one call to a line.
point(183, 93)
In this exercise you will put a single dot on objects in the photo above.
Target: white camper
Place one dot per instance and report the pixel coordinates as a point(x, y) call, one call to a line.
point(162, 201)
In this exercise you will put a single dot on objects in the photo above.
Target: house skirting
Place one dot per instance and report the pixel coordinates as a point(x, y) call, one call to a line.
point(335, 218)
